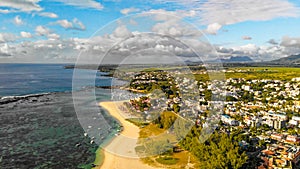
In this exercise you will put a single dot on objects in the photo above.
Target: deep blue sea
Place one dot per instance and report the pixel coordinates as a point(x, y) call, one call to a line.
point(23, 79)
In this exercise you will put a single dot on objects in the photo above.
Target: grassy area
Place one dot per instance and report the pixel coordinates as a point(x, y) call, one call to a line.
point(249, 73)
point(138, 122)
point(150, 68)
point(153, 130)
point(201, 77)
point(167, 160)
point(276, 73)
point(164, 159)
point(172, 161)
point(159, 132)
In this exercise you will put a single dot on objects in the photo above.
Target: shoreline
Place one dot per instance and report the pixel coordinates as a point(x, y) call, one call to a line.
point(120, 153)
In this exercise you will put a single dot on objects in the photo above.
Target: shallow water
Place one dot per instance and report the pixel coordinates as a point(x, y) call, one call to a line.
point(44, 130)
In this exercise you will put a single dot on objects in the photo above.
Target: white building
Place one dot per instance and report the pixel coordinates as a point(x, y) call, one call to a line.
point(228, 120)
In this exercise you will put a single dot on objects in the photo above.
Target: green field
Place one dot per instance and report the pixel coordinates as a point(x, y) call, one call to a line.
point(250, 73)
point(276, 73)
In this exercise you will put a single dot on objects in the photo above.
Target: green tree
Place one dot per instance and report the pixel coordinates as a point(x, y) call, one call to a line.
point(218, 152)
point(176, 108)
point(166, 120)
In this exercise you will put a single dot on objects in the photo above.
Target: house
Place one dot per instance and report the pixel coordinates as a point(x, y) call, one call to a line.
point(277, 137)
point(292, 139)
point(295, 121)
point(276, 121)
point(297, 104)
point(277, 156)
point(228, 120)
point(247, 88)
point(296, 79)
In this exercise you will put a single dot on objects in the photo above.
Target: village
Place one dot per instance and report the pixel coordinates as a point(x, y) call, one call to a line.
point(264, 114)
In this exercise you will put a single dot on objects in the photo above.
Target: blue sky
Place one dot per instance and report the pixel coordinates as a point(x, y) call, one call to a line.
point(261, 30)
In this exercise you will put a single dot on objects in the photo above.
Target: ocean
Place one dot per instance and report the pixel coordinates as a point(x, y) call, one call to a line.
point(23, 79)
point(39, 127)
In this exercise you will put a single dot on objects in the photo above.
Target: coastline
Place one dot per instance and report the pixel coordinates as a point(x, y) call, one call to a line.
point(120, 152)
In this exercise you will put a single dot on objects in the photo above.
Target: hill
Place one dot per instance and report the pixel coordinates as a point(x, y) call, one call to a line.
point(233, 59)
point(290, 60)
point(237, 59)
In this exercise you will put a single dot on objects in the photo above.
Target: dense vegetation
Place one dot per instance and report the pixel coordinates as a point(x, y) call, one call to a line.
point(149, 81)
point(219, 151)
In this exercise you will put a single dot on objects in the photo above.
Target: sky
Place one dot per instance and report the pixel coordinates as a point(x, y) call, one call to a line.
point(65, 31)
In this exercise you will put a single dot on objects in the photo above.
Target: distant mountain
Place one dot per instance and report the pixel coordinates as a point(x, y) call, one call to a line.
point(189, 62)
point(232, 59)
point(237, 59)
point(290, 60)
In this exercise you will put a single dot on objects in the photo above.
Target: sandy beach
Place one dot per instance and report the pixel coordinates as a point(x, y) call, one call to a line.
point(120, 152)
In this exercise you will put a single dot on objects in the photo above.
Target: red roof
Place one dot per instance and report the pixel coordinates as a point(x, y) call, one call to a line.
point(261, 167)
point(268, 152)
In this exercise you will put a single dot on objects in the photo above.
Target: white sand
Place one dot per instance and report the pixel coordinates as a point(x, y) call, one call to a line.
point(120, 153)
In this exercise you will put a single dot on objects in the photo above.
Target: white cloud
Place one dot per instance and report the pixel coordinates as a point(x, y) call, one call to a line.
point(249, 48)
point(172, 23)
point(4, 50)
point(290, 42)
point(246, 38)
point(176, 28)
point(133, 22)
point(226, 12)
point(48, 14)
point(78, 24)
point(288, 46)
point(18, 20)
point(168, 30)
point(164, 15)
point(6, 11)
point(53, 36)
point(121, 32)
point(272, 42)
point(213, 28)
point(149, 46)
point(55, 49)
point(83, 4)
point(25, 34)
point(126, 11)
point(7, 37)
point(21, 5)
point(216, 14)
point(65, 24)
point(42, 31)
point(75, 24)
point(234, 11)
